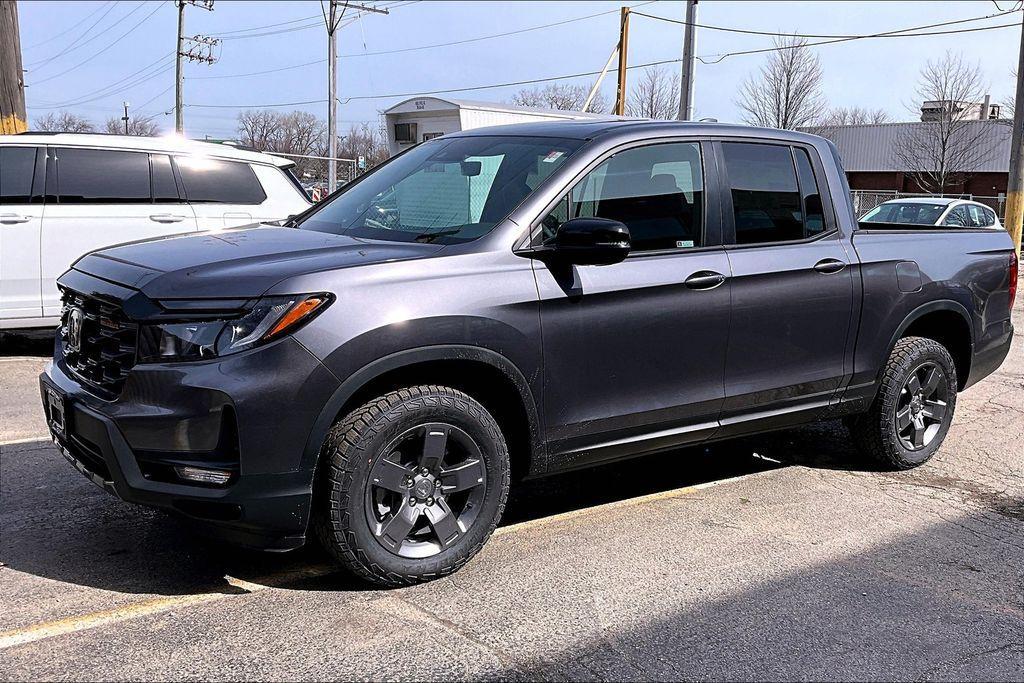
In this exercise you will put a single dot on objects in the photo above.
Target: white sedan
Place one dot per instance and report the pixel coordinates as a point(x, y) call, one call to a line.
point(942, 211)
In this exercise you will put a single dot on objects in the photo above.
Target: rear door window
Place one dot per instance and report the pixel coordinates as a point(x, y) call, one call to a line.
point(220, 182)
point(766, 201)
point(958, 218)
point(17, 166)
point(97, 176)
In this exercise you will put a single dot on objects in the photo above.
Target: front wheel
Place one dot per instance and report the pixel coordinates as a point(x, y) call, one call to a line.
point(412, 485)
point(911, 414)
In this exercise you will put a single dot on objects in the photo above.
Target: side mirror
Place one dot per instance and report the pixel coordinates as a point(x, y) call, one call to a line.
point(590, 242)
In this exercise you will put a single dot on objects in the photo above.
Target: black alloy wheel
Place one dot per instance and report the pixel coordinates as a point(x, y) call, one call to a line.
point(426, 490)
point(921, 407)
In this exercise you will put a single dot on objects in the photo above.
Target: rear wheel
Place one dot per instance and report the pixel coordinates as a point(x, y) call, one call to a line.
point(914, 407)
point(412, 485)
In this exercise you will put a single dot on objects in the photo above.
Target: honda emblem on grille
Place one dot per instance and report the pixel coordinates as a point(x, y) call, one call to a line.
point(74, 334)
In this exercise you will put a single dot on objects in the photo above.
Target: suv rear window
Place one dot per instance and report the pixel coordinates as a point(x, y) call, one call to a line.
point(222, 182)
point(99, 176)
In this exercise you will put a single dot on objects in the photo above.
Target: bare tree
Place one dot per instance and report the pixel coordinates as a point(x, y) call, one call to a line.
point(562, 96)
point(367, 141)
point(259, 128)
point(786, 92)
point(139, 127)
point(854, 116)
point(944, 151)
point(64, 122)
point(655, 96)
point(1008, 105)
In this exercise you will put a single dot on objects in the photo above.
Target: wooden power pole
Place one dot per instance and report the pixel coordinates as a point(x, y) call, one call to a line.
point(686, 82)
point(620, 91)
point(333, 20)
point(12, 81)
point(1015, 185)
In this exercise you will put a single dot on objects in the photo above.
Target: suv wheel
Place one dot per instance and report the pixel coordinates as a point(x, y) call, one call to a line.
point(412, 485)
point(914, 407)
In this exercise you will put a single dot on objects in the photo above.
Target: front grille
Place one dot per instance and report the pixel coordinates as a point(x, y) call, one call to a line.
point(102, 351)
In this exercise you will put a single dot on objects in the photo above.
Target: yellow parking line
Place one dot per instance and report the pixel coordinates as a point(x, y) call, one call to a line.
point(30, 634)
point(36, 632)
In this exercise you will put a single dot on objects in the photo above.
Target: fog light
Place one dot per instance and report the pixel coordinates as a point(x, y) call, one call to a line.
point(202, 475)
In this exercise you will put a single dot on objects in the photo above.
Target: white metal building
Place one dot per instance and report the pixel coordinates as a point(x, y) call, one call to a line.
point(422, 118)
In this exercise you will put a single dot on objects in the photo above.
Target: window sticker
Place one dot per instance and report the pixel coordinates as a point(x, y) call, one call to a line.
point(552, 156)
point(682, 244)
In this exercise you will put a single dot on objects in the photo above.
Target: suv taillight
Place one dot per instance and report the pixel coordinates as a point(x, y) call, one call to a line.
point(1013, 277)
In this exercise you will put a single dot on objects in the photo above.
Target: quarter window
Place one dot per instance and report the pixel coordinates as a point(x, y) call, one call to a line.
point(96, 176)
point(814, 210)
point(215, 181)
point(656, 191)
point(766, 201)
point(17, 166)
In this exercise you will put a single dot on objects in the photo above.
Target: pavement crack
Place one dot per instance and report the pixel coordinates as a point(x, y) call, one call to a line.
point(460, 631)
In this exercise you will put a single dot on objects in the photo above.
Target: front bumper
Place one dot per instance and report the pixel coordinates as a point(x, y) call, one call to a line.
point(273, 394)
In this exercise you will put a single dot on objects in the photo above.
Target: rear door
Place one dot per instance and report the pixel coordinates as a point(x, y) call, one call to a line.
point(21, 215)
point(792, 287)
point(101, 197)
point(634, 352)
point(223, 194)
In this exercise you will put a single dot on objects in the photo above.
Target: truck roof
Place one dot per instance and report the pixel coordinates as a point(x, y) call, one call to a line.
point(164, 143)
point(592, 128)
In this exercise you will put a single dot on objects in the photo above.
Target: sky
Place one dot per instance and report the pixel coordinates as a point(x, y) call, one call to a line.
point(89, 56)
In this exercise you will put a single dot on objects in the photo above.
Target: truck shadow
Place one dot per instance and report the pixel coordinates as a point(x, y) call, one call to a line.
point(59, 526)
point(27, 344)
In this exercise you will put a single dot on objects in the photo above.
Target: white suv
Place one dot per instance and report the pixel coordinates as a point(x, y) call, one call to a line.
point(63, 195)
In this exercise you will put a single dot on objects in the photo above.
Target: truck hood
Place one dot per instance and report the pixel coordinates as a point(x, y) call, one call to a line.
point(236, 264)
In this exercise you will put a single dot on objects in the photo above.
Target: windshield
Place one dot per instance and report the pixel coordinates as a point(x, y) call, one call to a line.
point(444, 191)
point(917, 213)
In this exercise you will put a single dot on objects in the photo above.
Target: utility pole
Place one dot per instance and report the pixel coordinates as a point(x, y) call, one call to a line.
point(1015, 185)
point(686, 80)
point(180, 52)
point(620, 91)
point(333, 19)
point(12, 81)
point(125, 117)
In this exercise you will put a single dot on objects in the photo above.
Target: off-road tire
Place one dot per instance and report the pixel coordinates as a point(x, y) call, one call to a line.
point(352, 447)
point(875, 432)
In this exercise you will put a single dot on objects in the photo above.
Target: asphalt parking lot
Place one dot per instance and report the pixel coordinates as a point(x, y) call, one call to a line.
point(778, 557)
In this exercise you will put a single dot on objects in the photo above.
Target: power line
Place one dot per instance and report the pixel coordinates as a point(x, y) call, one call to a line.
point(113, 84)
point(778, 34)
point(109, 46)
point(72, 28)
point(429, 92)
point(233, 35)
point(898, 33)
point(80, 37)
point(423, 47)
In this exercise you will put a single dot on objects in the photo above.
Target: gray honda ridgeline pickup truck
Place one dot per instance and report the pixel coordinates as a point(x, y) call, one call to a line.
point(507, 303)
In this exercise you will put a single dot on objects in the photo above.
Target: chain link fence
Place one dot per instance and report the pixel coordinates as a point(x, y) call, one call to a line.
point(312, 172)
point(865, 200)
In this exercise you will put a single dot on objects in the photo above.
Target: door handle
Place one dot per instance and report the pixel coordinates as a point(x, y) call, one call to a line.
point(166, 218)
point(12, 218)
point(704, 279)
point(829, 265)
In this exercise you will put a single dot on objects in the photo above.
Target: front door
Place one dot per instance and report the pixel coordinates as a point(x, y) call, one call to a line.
point(792, 288)
point(634, 352)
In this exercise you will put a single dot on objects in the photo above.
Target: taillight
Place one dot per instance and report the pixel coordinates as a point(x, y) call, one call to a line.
point(1013, 277)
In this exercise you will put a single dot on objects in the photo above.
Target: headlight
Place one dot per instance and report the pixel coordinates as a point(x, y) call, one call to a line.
point(270, 318)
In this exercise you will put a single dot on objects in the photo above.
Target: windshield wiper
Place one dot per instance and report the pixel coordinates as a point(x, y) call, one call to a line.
point(427, 237)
